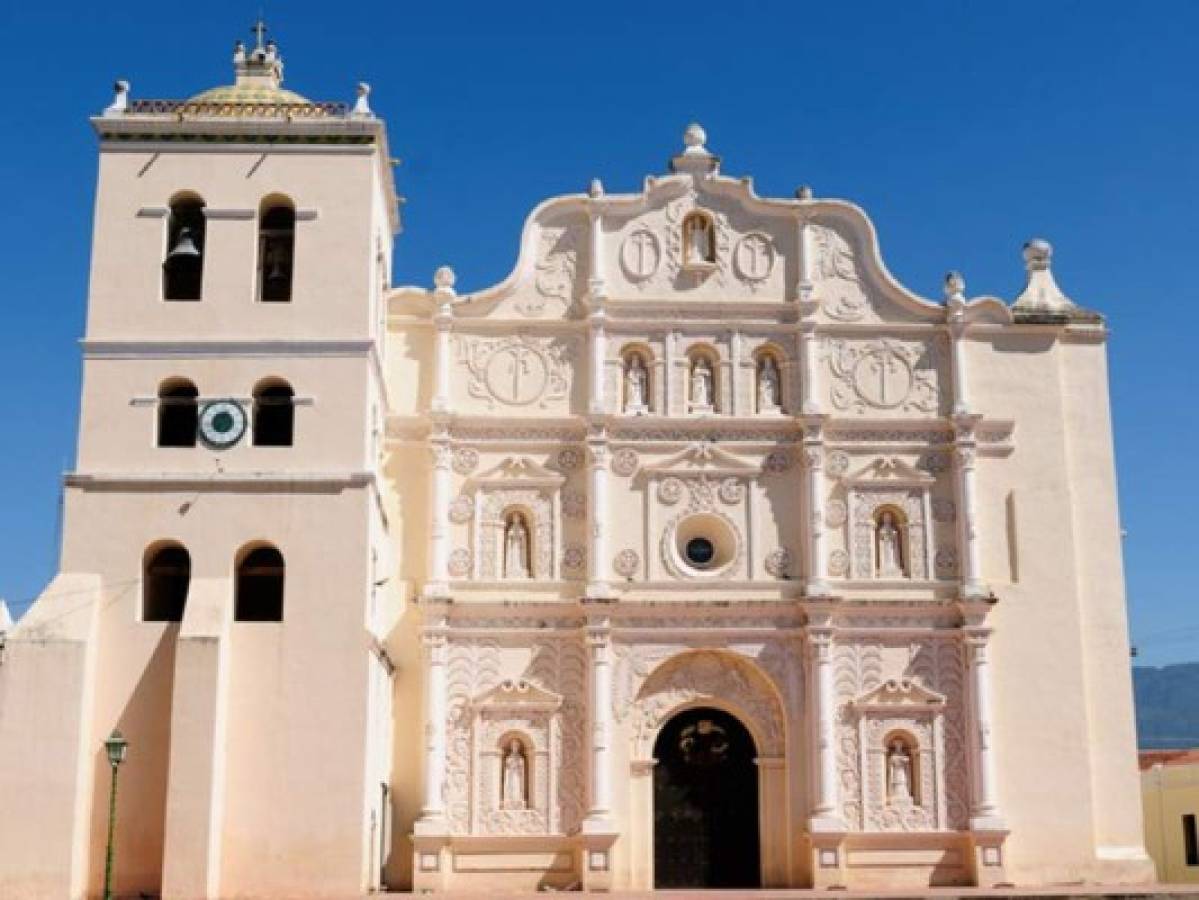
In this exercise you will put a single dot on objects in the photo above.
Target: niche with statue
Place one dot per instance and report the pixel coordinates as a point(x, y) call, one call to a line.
point(901, 745)
point(517, 736)
point(889, 524)
point(516, 520)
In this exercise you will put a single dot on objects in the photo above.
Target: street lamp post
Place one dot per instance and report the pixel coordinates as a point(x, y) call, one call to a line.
point(116, 746)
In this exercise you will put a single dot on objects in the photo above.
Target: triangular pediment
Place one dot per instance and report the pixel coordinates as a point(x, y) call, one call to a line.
point(517, 694)
point(889, 470)
point(518, 470)
point(704, 458)
point(905, 693)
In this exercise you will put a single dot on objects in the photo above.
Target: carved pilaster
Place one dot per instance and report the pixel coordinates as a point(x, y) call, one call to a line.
point(965, 452)
point(598, 559)
point(819, 638)
point(434, 645)
point(441, 458)
point(599, 647)
point(976, 638)
point(813, 458)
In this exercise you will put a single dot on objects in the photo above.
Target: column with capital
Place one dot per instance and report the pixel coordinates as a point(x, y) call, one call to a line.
point(826, 826)
point(965, 451)
point(599, 830)
point(813, 457)
point(437, 585)
point(431, 829)
point(598, 561)
point(988, 831)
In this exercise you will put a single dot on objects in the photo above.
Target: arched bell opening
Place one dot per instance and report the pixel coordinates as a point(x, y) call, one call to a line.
point(183, 267)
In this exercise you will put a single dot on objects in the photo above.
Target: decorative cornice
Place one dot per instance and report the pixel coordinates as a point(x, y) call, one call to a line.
point(102, 348)
point(284, 482)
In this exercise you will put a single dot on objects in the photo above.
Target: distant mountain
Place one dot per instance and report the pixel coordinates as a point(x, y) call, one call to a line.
point(1167, 701)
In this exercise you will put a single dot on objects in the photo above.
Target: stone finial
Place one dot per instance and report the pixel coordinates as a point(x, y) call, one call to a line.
point(596, 189)
point(955, 287)
point(1041, 296)
point(5, 617)
point(1038, 253)
point(120, 100)
point(239, 53)
point(695, 157)
point(443, 280)
point(362, 107)
point(694, 139)
point(803, 192)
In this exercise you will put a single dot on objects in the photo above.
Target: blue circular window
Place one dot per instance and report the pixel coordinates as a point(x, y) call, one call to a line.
point(700, 552)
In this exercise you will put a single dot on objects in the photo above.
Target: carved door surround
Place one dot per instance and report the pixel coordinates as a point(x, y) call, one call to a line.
point(516, 709)
point(903, 707)
point(883, 482)
point(729, 682)
point(516, 483)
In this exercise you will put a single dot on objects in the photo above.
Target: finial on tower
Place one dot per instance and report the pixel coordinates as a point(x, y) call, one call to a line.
point(1042, 300)
point(258, 29)
point(120, 100)
point(362, 107)
point(596, 189)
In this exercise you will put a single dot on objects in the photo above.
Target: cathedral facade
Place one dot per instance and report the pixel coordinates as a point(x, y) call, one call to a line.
point(699, 552)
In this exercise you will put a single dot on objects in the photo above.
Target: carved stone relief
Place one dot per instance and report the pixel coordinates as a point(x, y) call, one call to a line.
point(466, 460)
point(870, 710)
point(640, 256)
point(866, 500)
point(627, 563)
point(883, 374)
point(517, 370)
point(725, 680)
point(496, 501)
point(778, 562)
point(462, 508)
point(625, 461)
point(557, 269)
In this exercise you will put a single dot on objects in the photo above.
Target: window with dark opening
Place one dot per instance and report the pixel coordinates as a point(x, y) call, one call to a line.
point(177, 414)
point(276, 246)
point(183, 268)
point(259, 592)
point(274, 414)
point(1191, 839)
point(165, 578)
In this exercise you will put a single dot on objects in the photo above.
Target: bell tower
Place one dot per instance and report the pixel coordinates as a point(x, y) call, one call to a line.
point(224, 540)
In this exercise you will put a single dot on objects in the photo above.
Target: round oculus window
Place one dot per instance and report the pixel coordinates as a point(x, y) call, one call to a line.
point(700, 552)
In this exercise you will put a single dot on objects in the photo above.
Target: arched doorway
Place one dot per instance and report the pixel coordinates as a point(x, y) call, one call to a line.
point(705, 803)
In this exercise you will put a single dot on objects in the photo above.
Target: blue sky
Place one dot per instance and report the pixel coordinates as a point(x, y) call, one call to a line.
point(962, 128)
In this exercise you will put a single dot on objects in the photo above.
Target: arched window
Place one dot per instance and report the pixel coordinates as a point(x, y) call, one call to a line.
point(276, 250)
point(274, 414)
point(258, 596)
point(183, 268)
point(177, 413)
point(166, 574)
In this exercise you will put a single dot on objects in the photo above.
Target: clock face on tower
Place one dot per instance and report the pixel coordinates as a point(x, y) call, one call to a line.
point(222, 423)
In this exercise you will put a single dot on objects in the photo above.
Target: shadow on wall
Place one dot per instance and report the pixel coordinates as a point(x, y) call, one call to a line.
point(145, 722)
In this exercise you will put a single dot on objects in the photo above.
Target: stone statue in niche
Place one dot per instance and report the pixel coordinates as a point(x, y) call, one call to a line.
point(890, 547)
point(636, 385)
point(516, 547)
point(899, 773)
point(701, 384)
point(699, 240)
point(768, 385)
point(515, 778)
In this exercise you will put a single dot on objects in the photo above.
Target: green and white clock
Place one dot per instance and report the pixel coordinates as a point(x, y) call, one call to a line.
point(222, 423)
